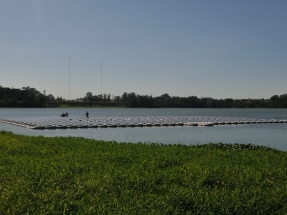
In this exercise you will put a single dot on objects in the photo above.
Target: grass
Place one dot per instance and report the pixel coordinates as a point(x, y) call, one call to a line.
point(68, 175)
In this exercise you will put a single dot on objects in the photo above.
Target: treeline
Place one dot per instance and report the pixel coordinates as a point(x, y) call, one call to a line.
point(165, 101)
point(30, 97)
point(26, 97)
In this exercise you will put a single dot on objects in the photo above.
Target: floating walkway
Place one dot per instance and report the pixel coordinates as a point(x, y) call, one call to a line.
point(113, 122)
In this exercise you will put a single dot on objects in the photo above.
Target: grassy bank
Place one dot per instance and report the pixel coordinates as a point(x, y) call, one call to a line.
point(62, 175)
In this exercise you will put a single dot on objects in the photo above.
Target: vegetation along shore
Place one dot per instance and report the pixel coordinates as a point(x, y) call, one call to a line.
point(30, 97)
point(70, 175)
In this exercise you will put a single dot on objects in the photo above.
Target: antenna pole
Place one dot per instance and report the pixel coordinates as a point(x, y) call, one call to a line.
point(101, 79)
point(69, 78)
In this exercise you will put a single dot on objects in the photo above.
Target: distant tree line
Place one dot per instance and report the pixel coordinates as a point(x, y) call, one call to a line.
point(30, 97)
point(26, 97)
point(165, 101)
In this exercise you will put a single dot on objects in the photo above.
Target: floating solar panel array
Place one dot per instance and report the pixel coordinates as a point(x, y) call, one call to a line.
point(106, 122)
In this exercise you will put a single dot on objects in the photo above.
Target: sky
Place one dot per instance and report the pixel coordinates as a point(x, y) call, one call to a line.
point(204, 48)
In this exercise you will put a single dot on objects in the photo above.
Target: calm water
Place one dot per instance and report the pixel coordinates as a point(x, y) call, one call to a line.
point(273, 135)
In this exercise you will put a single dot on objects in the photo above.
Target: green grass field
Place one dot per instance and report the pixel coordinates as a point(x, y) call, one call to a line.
point(68, 175)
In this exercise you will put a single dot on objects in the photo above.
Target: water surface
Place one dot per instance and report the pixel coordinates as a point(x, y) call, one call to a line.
point(273, 135)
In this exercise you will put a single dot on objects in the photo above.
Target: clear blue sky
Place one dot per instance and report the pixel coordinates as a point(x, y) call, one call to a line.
point(214, 48)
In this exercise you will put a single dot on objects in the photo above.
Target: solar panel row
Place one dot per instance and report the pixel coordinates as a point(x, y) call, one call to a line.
point(104, 122)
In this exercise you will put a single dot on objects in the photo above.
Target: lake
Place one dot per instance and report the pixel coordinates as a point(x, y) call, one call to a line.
point(271, 134)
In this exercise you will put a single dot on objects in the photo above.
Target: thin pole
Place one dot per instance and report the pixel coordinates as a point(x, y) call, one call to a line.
point(69, 79)
point(101, 79)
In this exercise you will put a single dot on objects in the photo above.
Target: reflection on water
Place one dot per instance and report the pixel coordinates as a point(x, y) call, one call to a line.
point(273, 135)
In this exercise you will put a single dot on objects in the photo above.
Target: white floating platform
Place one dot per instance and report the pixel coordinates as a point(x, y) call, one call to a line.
point(112, 122)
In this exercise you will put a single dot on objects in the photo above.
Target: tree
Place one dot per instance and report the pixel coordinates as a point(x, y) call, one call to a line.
point(88, 97)
point(50, 98)
point(132, 100)
point(117, 98)
point(125, 97)
point(105, 97)
point(274, 98)
point(109, 97)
